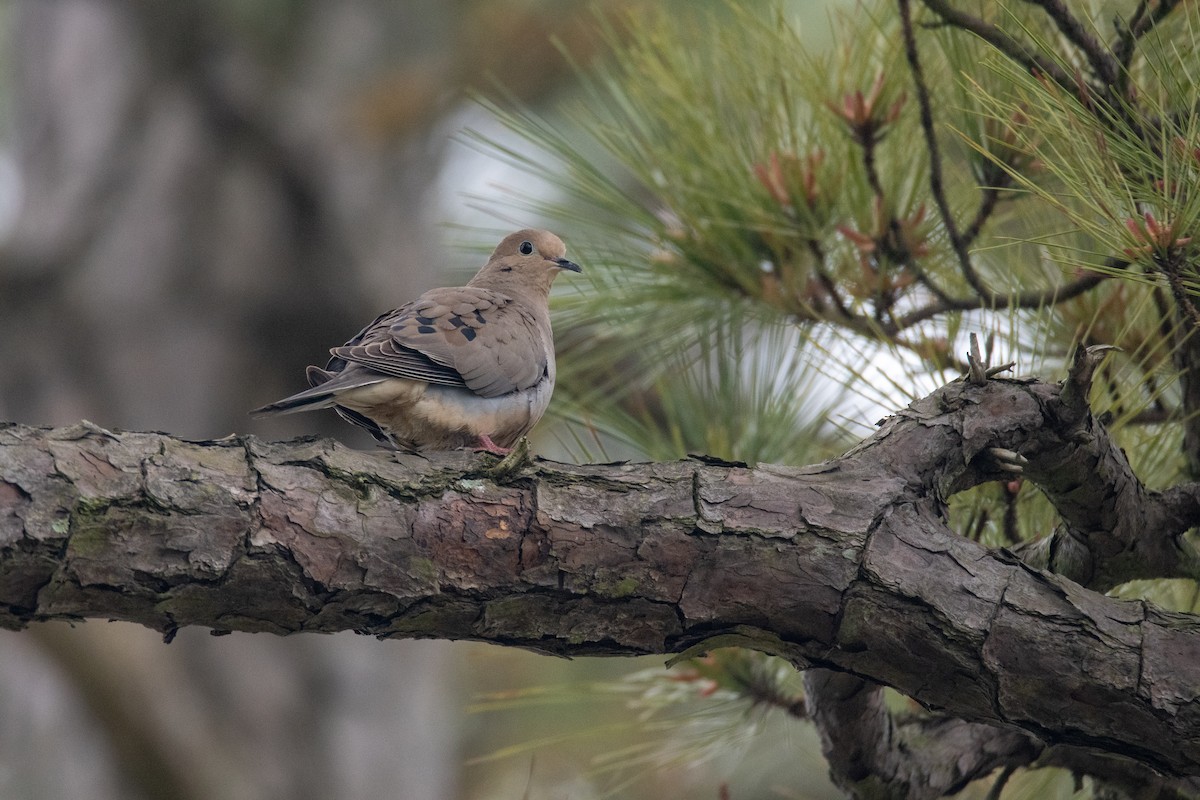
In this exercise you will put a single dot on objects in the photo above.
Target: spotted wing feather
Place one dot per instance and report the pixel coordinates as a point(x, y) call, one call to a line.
point(464, 336)
point(373, 347)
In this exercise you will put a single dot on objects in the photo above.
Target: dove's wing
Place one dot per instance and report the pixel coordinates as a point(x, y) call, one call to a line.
point(465, 336)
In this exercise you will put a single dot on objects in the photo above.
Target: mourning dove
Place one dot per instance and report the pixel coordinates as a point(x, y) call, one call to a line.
point(468, 366)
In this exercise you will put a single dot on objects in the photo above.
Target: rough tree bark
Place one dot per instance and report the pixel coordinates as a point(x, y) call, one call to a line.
point(847, 567)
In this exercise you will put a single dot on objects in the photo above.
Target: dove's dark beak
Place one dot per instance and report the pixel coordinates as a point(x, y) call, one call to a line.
point(562, 263)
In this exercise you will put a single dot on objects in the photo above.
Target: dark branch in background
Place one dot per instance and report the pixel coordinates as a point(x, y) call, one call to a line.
point(1140, 24)
point(1124, 44)
point(1019, 52)
point(913, 265)
point(1001, 781)
point(936, 187)
point(989, 199)
point(1103, 63)
point(894, 248)
point(985, 296)
point(1032, 299)
point(827, 283)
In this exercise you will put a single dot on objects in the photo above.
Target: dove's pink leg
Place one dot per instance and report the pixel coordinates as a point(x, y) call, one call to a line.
point(486, 445)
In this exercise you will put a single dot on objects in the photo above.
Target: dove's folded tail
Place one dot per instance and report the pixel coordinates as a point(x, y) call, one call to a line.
point(309, 400)
point(323, 393)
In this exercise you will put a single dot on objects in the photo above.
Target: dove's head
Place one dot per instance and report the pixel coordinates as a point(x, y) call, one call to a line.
point(528, 258)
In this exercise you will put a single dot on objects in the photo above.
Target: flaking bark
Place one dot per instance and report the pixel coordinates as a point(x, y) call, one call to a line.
point(847, 566)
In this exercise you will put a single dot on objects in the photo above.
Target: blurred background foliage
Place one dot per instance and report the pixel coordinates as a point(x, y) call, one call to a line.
point(197, 199)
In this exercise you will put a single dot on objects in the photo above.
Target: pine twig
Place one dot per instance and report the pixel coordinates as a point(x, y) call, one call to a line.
point(959, 242)
point(1005, 43)
point(988, 201)
point(936, 185)
point(1104, 64)
point(1034, 299)
point(1140, 24)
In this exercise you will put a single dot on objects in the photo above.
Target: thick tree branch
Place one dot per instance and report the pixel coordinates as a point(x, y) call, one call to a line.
point(873, 754)
point(847, 565)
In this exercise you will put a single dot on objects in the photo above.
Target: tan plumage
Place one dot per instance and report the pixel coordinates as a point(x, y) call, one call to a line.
point(457, 367)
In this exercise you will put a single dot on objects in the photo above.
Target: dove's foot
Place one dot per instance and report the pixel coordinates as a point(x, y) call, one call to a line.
point(486, 445)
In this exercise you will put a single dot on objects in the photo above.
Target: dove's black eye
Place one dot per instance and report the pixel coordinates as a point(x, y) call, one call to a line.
point(526, 248)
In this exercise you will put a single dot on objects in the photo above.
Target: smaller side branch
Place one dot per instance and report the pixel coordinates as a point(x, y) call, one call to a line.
point(931, 756)
point(989, 199)
point(1103, 539)
point(927, 757)
point(1176, 510)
